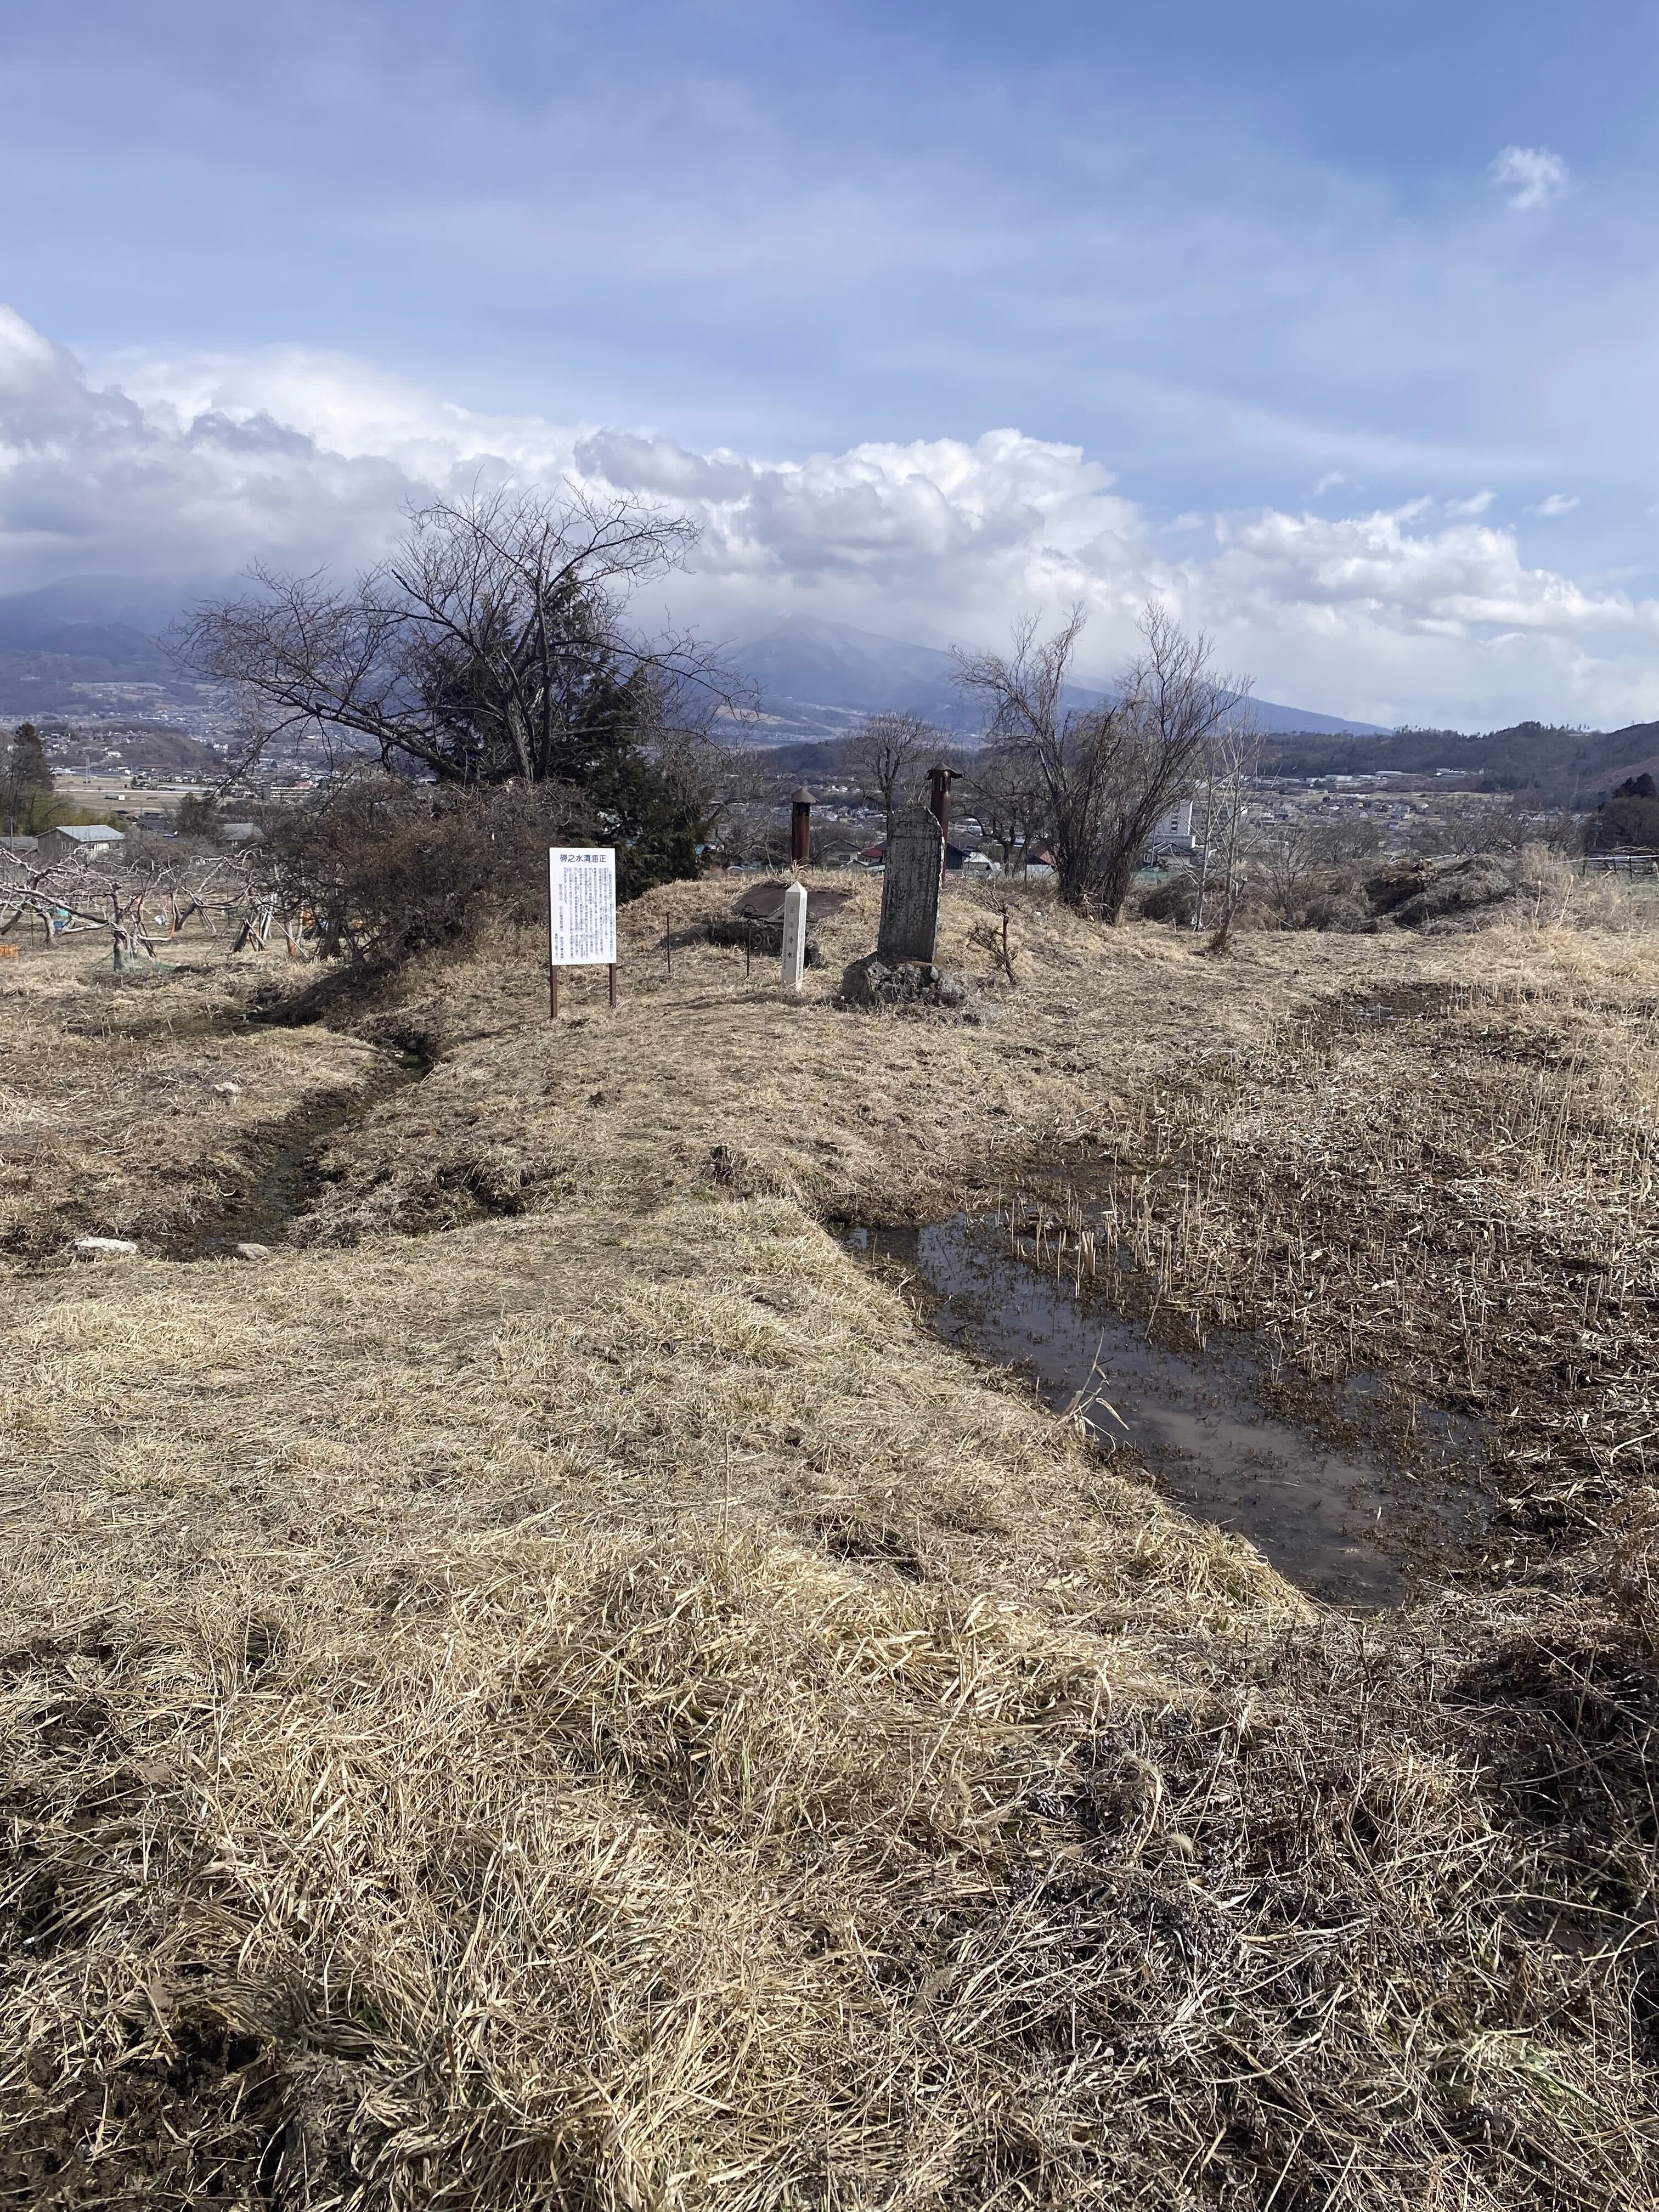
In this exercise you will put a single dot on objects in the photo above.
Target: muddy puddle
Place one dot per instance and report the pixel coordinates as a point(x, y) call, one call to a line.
point(1351, 1521)
point(288, 1173)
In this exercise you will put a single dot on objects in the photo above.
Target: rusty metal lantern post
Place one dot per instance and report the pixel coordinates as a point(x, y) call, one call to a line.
point(939, 797)
point(801, 829)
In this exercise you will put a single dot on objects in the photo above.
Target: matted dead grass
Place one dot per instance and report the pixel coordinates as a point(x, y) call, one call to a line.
point(589, 1705)
point(705, 1072)
point(137, 1109)
point(1450, 1183)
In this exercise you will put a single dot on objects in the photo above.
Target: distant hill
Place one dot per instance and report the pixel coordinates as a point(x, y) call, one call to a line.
point(1556, 766)
point(91, 619)
point(69, 649)
point(154, 748)
point(817, 678)
point(62, 646)
point(130, 601)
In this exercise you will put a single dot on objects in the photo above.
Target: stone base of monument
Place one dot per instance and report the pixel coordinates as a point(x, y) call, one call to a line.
point(917, 983)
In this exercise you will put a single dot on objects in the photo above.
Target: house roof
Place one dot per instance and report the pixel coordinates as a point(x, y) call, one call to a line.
point(90, 833)
point(952, 852)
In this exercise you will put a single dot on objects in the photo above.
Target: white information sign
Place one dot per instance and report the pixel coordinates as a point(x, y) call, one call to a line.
point(581, 906)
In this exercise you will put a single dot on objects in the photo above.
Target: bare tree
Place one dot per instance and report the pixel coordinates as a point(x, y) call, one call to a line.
point(1007, 796)
point(737, 790)
point(130, 902)
point(490, 647)
point(1106, 772)
point(1467, 825)
point(1230, 758)
point(887, 753)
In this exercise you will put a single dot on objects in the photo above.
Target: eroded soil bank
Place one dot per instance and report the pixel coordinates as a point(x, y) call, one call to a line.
point(595, 1701)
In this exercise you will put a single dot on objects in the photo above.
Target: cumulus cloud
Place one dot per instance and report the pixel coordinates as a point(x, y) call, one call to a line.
point(1461, 582)
point(1558, 503)
point(1476, 503)
point(184, 471)
point(1529, 177)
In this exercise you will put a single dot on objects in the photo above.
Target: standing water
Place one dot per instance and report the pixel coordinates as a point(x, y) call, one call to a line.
point(1341, 1522)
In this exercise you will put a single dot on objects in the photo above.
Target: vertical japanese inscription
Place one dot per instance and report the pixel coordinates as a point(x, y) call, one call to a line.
point(581, 906)
point(909, 889)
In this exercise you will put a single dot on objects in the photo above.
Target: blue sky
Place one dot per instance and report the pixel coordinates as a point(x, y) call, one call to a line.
point(1384, 275)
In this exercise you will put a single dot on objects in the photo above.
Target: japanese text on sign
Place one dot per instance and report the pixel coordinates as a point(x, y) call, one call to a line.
point(581, 906)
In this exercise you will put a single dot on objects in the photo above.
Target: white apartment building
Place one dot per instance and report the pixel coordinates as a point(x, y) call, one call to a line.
point(1174, 832)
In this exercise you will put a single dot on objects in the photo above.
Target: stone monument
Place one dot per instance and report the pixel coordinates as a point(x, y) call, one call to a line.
point(909, 890)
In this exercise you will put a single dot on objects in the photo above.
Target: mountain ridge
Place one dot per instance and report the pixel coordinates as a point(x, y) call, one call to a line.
point(815, 677)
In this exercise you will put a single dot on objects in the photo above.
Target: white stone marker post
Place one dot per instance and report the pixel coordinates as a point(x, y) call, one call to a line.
point(794, 936)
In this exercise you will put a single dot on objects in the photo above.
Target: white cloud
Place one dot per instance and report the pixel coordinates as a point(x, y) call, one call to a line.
point(187, 470)
point(1476, 503)
point(1369, 569)
point(1329, 481)
point(1530, 176)
point(1558, 503)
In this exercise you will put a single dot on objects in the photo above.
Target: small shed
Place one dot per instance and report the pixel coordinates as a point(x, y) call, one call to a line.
point(93, 839)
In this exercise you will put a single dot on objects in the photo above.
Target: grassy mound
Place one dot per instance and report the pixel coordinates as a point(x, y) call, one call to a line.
point(555, 1689)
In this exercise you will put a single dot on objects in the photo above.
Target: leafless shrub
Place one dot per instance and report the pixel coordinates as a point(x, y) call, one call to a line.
point(1175, 899)
point(384, 869)
point(1467, 825)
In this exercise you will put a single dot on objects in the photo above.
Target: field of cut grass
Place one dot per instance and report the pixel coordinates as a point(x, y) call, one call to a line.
point(555, 1689)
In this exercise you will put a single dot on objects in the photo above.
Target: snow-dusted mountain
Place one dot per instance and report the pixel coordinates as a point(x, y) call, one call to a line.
point(818, 677)
point(63, 645)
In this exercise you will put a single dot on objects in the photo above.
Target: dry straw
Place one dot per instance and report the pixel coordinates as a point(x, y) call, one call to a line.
point(554, 1690)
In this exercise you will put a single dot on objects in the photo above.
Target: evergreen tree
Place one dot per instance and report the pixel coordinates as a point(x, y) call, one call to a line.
point(198, 816)
point(1628, 822)
point(26, 781)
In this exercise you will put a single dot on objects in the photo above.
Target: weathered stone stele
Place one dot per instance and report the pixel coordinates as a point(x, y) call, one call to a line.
point(909, 890)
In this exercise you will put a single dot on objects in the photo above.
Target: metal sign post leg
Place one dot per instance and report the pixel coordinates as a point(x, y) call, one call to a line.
point(552, 992)
point(613, 982)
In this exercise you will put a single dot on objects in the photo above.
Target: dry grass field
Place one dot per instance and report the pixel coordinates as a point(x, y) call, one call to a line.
point(555, 1689)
